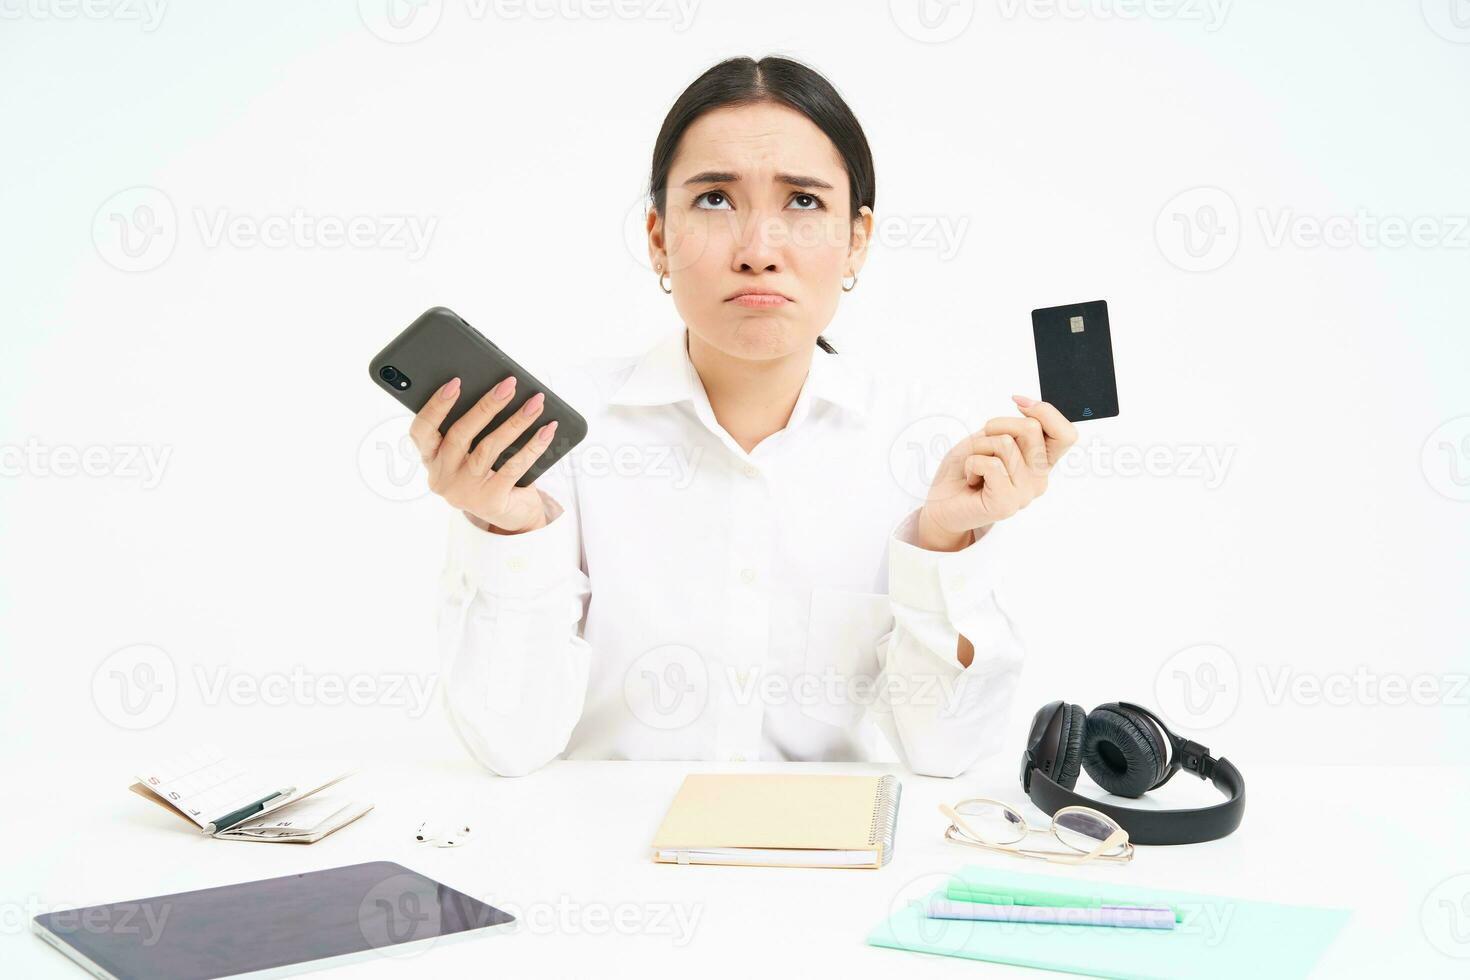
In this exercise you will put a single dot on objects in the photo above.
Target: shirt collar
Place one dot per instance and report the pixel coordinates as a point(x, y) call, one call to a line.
point(664, 375)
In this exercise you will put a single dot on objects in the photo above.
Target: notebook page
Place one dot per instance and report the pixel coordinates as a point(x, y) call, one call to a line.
point(204, 785)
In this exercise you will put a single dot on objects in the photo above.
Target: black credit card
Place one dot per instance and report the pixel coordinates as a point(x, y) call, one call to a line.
point(1074, 357)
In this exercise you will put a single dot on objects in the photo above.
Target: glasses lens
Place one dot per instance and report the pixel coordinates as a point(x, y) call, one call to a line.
point(1082, 830)
point(994, 823)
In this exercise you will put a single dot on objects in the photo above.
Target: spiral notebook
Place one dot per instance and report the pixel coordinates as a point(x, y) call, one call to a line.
point(792, 821)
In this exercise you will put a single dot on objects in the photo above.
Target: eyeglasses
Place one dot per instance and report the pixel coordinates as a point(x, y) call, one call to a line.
point(1087, 834)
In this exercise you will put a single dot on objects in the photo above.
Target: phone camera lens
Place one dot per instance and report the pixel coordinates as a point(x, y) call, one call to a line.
point(388, 373)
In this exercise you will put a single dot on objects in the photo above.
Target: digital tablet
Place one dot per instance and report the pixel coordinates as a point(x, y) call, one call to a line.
point(271, 928)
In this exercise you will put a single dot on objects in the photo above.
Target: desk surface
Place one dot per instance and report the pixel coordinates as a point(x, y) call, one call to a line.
point(567, 848)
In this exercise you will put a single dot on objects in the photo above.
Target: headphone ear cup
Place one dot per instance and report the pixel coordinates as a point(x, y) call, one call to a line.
point(1069, 757)
point(1121, 752)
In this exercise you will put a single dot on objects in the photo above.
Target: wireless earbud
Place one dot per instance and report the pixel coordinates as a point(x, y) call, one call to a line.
point(443, 834)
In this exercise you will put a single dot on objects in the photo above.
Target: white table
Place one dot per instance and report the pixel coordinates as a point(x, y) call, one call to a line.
point(567, 847)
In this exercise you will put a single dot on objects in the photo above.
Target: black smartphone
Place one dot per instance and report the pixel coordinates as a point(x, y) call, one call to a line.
point(438, 346)
point(1074, 358)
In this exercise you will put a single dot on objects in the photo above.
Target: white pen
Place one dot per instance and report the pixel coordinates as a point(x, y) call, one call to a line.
point(245, 812)
point(1134, 916)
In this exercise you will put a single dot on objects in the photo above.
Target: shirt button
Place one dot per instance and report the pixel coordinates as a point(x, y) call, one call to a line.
point(750, 470)
point(515, 564)
point(747, 575)
point(737, 758)
point(957, 583)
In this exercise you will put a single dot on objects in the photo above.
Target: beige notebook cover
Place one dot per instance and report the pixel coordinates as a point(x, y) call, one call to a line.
point(812, 821)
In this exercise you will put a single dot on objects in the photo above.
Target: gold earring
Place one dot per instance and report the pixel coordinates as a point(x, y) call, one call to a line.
point(660, 270)
point(846, 288)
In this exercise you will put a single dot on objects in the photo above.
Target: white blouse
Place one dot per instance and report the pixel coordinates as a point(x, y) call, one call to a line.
point(688, 600)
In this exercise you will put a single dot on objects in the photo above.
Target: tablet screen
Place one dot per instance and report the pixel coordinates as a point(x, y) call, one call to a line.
point(270, 924)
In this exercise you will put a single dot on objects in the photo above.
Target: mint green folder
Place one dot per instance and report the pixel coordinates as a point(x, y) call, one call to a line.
point(1217, 938)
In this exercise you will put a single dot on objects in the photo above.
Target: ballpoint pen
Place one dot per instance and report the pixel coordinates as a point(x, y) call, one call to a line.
point(245, 812)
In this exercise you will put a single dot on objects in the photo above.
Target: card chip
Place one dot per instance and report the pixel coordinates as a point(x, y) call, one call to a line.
point(1076, 322)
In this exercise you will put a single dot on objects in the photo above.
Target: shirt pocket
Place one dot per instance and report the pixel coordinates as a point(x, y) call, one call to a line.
point(840, 672)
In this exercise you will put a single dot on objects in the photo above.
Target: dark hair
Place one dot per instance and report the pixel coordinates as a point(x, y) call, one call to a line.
point(745, 81)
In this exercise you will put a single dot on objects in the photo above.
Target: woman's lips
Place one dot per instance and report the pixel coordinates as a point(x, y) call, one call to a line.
point(759, 301)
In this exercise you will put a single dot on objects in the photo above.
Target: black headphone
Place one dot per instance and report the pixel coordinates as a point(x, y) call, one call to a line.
point(1127, 751)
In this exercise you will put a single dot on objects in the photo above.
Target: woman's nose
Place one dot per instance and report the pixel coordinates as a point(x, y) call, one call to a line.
point(760, 237)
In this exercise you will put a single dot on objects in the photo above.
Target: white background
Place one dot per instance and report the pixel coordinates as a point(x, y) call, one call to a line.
point(1285, 578)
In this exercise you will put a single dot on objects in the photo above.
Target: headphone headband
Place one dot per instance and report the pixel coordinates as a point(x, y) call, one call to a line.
point(1187, 826)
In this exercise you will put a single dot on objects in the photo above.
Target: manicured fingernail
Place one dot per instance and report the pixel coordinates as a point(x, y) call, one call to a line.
point(548, 432)
point(505, 387)
point(1023, 401)
point(450, 389)
point(533, 404)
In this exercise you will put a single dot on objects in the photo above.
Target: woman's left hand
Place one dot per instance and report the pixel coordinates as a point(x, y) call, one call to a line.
point(991, 474)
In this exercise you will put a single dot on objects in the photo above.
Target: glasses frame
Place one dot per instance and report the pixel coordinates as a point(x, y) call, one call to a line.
point(961, 833)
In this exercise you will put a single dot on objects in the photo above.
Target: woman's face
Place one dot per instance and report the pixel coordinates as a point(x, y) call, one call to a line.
point(757, 199)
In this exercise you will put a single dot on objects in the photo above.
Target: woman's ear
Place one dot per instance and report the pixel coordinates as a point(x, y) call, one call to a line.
point(657, 252)
point(862, 235)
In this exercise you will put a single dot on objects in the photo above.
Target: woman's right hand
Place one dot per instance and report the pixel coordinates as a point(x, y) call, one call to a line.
point(465, 479)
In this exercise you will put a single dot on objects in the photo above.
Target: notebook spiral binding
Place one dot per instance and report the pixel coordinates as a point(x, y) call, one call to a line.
point(885, 815)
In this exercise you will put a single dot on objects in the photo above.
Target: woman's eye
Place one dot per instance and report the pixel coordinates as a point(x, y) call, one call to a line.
point(807, 202)
point(718, 201)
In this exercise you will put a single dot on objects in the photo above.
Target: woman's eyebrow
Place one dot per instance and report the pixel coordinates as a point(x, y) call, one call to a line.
point(726, 177)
